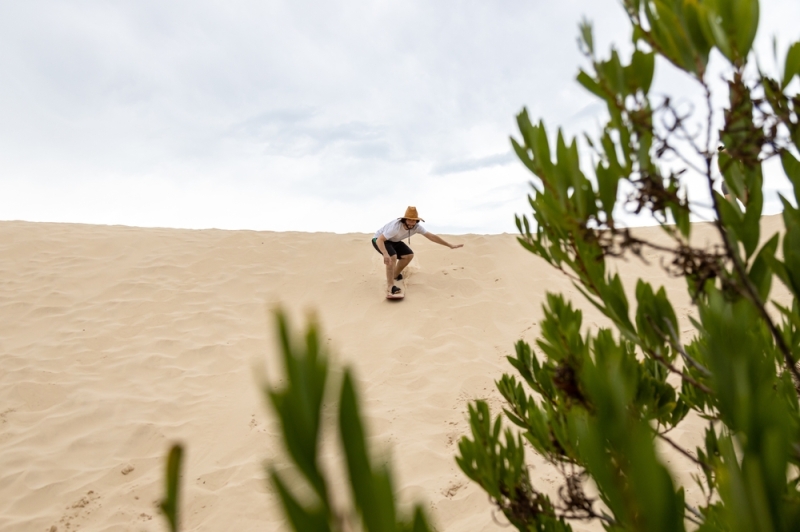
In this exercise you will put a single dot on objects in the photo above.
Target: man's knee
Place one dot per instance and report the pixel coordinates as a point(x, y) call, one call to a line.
point(392, 259)
point(409, 257)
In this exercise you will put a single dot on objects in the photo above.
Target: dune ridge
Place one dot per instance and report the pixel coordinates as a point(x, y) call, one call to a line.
point(116, 341)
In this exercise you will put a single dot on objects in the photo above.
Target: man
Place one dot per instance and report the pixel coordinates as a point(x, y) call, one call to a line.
point(388, 241)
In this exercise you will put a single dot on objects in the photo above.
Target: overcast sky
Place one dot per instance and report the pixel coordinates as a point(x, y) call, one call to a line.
point(294, 115)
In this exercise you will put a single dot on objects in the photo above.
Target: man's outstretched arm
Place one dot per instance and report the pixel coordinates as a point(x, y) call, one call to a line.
point(439, 240)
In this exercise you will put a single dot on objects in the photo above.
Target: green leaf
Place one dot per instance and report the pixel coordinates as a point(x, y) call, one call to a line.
point(420, 522)
point(299, 405)
point(667, 31)
point(730, 214)
point(750, 229)
point(696, 16)
point(792, 166)
point(614, 74)
point(591, 85)
point(523, 156)
point(607, 183)
point(796, 135)
point(526, 128)
point(655, 317)
point(682, 219)
point(779, 268)
point(734, 176)
point(792, 317)
point(541, 148)
point(718, 35)
point(169, 505)
point(610, 151)
point(587, 38)
point(791, 247)
point(302, 520)
point(641, 69)
point(369, 493)
point(760, 272)
point(746, 25)
point(792, 66)
point(615, 297)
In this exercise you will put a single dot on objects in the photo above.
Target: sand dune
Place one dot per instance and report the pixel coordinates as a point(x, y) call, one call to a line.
point(116, 341)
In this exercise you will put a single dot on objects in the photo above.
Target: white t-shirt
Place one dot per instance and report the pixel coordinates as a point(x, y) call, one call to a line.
point(395, 231)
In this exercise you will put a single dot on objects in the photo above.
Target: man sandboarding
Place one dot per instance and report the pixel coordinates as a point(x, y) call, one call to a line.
point(388, 241)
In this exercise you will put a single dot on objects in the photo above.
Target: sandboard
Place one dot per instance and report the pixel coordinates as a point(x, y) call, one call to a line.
point(399, 295)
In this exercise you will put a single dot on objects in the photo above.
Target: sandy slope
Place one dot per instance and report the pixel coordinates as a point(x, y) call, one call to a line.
point(116, 341)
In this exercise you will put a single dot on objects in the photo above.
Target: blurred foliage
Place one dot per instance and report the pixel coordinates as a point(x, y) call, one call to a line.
point(169, 505)
point(298, 406)
point(593, 403)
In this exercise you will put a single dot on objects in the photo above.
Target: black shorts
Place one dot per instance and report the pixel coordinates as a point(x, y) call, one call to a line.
point(393, 248)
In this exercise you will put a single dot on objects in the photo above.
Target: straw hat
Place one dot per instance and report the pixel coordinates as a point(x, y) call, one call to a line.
point(411, 214)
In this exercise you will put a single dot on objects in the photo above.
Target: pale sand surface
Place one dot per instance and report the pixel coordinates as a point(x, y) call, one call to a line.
point(117, 341)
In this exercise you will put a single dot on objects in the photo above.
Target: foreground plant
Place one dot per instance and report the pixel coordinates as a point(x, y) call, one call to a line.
point(597, 402)
point(298, 406)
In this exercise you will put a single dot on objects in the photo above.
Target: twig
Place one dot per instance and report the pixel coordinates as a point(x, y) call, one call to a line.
point(692, 519)
point(498, 523)
point(678, 347)
point(679, 125)
point(685, 376)
point(684, 452)
point(709, 152)
point(693, 510)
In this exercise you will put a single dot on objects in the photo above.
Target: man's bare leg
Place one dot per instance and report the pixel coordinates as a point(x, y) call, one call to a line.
point(401, 265)
point(389, 270)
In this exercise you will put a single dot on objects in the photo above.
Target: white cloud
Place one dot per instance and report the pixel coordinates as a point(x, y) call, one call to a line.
point(283, 115)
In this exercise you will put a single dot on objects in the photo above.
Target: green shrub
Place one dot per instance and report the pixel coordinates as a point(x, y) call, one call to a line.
point(594, 402)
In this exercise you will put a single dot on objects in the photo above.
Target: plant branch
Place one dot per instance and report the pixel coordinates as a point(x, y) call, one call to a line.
point(693, 510)
point(675, 343)
point(751, 293)
point(684, 452)
point(685, 376)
